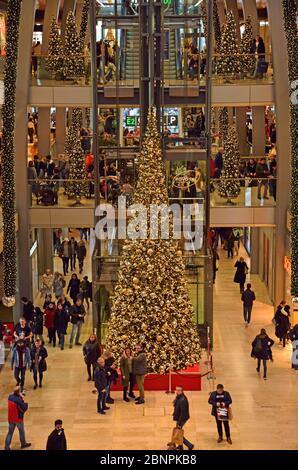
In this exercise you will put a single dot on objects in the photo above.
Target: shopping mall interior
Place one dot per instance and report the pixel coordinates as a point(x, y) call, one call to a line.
point(85, 87)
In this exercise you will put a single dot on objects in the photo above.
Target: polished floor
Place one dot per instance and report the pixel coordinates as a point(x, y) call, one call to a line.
point(265, 412)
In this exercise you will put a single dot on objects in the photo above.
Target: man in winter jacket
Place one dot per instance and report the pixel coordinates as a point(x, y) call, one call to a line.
point(57, 439)
point(181, 414)
point(77, 315)
point(139, 369)
point(20, 360)
point(220, 401)
point(16, 410)
point(248, 297)
point(28, 309)
point(101, 383)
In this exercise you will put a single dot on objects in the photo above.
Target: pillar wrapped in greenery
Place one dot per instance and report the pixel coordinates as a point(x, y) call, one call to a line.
point(229, 185)
point(248, 60)
point(290, 25)
point(8, 157)
point(84, 22)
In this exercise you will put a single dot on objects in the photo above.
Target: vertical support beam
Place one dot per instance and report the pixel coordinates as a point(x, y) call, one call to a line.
point(254, 260)
point(159, 31)
point(45, 250)
point(241, 131)
point(51, 10)
point(60, 129)
point(280, 55)
point(250, 9)
point(21, 148)
point(69, 5)
point(144, 68)
point(44, 126)
point(258, 131)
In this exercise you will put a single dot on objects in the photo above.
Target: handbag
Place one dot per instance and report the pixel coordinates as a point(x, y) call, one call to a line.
point(230, 414)
point(177, 436)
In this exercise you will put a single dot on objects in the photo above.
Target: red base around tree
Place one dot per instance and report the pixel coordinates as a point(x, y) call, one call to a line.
point(189, 379)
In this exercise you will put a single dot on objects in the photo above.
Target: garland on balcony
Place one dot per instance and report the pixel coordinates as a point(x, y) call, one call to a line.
point(289, 14)
point(8, 158)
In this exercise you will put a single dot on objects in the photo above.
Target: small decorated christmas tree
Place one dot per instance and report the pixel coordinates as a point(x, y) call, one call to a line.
point(54, 61)
point(73, 63)
point(77, 186)
point(151, 304)
point(248, 61)
point(229, 63)
point(229, 185)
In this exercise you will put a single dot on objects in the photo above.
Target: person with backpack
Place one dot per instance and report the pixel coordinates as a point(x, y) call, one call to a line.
point(38, 320)
point(248, 297)
point(261, 350)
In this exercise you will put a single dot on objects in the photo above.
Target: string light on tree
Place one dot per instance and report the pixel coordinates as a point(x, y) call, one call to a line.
point(290, 25)
point(54, 61)
point(73, 63)
point(229, 63)
point(248, 61)
point(8, 156)
point(151, 303)
point(223, 123)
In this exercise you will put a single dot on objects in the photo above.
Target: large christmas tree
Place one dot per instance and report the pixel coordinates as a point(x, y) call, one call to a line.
point(77, 186)
point(248, 61)
point(54, 61)
point(229, 63)
point(290, 25)
point(229, 185)
point(73, 63)
point(151, 304)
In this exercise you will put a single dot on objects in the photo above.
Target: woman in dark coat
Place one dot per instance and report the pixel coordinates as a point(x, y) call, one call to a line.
point(61, 323)
point(127, 377)
point(38, 323)
point(74, 287)
point(38, 361)
point(261, 350)
point(240, 275)
point(91, 352)
point(282, 324)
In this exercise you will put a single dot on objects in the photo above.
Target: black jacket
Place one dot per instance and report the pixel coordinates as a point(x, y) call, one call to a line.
point(215, 398)
point(112, 374)
point(43, 354)
point(100, 378)
point(28, 311)
point(61, 321)
point(38, 323)
point(181, 410)
point(91, 352)
point(57, 440)
point(75, 311)
point(261, 347)
point(74, 288)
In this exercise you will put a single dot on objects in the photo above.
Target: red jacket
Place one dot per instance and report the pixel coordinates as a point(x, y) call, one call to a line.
point(49, 316)
point(16, 409)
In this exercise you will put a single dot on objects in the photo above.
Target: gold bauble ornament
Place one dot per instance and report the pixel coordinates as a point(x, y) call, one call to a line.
point(8, 301)
point(179, 253)
point(135, 280)
point(159, 338)
point(144, 327)
point(150, 252)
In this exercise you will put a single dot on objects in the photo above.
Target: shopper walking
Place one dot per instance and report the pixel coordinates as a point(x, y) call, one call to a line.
point(241, 272)
point(74, 287)
point(85, 291)
point(181, 414)
point(46, 283)
point(91, 353)
point(28, 310)
point(23, 331)
point(81, 254)
point(38, 362)
point(61, 323)
point(221, 401)
point(282, 324)
point(38, 320)
point(64, 254)
point(57, 439)
point(73, 244)
point(127, 377)
point(293, 336)
point(17, 407)
point(261, 350)
point(215, 260)
point(20, 361)
point(139, 369)
point(58, 284)
point(77, 315)
point(49, 316)
point(101, 383)
point(248, 297)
